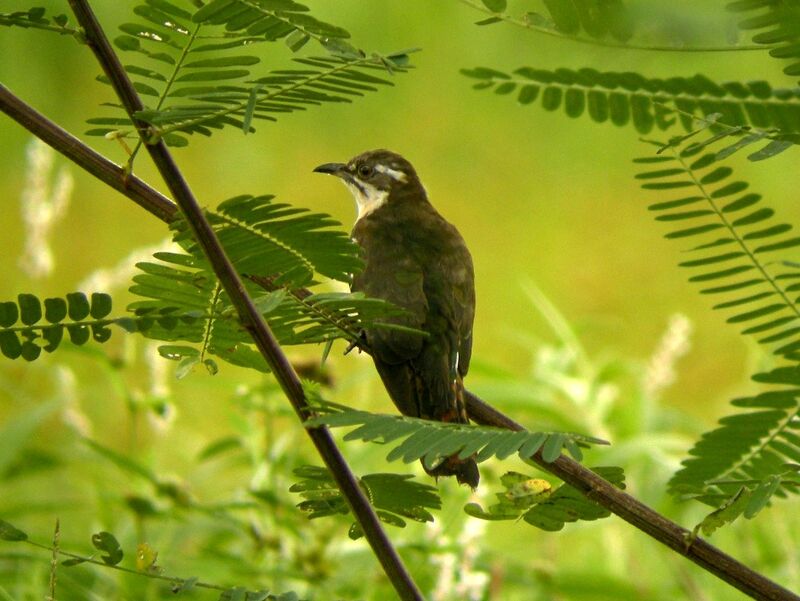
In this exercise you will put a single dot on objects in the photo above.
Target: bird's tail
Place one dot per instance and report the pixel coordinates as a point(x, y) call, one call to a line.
point(465, 470)
point(411, 394)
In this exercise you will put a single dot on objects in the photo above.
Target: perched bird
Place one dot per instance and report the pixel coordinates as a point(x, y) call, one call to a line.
point(418, 261)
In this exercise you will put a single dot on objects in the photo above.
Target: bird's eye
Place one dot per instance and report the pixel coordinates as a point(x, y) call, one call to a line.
point(365, 171)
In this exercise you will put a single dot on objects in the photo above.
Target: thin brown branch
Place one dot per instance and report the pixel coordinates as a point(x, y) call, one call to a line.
point(249, 315)
point(93, 162)
point(640, 515)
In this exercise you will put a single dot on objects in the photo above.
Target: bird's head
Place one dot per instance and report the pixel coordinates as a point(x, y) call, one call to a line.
point(376, 178)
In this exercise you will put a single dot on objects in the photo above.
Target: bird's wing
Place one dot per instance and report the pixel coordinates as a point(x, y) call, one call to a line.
point(464, 299)
point(450, 290)
point(401, 283)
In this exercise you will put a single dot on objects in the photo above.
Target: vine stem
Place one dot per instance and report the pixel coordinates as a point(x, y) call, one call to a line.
point(590, 484)
point(251, 319)
point(56, 552)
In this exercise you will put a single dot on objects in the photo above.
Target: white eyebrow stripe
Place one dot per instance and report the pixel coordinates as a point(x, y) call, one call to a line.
point(393, 173)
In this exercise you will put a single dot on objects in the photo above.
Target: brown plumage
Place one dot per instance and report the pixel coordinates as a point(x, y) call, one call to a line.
point(418, 261)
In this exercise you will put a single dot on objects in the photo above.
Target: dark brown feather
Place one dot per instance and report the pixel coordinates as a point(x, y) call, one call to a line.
point(418, 261)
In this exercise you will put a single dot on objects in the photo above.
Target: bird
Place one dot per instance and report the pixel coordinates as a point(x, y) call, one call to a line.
point(418, 261)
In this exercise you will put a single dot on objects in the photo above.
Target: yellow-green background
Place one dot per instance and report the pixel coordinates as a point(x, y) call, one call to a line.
point(538, 196)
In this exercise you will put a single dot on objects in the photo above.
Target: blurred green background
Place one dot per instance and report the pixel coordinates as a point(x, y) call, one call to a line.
point(539, 197)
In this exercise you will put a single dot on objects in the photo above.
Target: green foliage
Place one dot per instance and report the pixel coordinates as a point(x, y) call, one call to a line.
point(734, 238)
point(239, 593)
point(761, 447)
point(746, 501)
point(197, 91)
point(777, 141)
point(258, 235)
point(431, 441)
point(112, 554)
point(608, 21)
point(42, 324)
point(597, 19)
point(11, 533)
point(185, 288)
point(533, 500)
point(778, 27)
point(197, 76)
point(182, 300)
point(269, 238)
point(273, 19)
point(107, 543)
point(496, 6)
point(37, 18)
point(394, 497)
point(647, 103)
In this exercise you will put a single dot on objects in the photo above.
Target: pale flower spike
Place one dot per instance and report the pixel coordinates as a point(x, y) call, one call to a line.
point(41, 208)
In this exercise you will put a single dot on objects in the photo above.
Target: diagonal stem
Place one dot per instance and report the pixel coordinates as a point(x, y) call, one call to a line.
point(251, 319)
point(95, 163)
point(641, 516)
point(599, 490)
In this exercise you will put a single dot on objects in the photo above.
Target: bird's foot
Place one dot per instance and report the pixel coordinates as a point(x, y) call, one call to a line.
point(357, 343)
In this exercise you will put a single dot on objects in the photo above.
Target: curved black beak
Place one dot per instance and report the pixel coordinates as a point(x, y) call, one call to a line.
point(331, 168)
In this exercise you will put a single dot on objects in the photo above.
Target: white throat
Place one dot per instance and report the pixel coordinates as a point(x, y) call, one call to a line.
point(368, 197)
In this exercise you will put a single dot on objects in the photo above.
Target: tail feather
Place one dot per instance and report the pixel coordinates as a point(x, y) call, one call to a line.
point(465, 470)
point(434, 398)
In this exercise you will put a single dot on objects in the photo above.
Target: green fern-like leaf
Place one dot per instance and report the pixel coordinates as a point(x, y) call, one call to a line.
point(266, 237)
point(734, 240)
point(196, 76)
point(323, 80)
point(777, 24)
point(273, 242)
point(395, 497)
point(647, 103)
point(610, 22)
point(30, 325)
point(192, 307)
point(617, 23)
point(273, 19)
point(598, 20)
point(747, 501)
point(761, 447)
point(414, 439)
point(534, 501)
point(746, 136)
